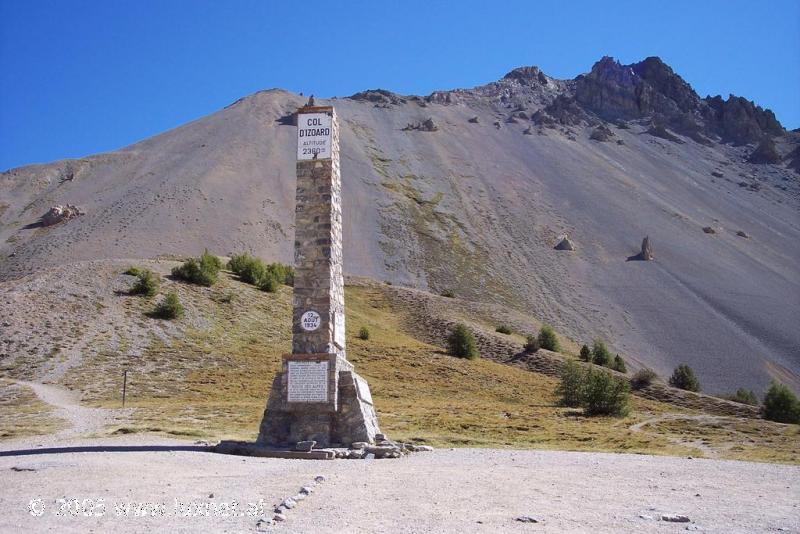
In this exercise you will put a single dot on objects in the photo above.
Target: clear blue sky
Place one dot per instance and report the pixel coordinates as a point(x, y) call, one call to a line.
point(80, 77)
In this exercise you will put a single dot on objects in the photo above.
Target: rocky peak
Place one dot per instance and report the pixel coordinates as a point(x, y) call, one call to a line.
point(615, 91)
point(664, 81)
point(527, 76)
point(651, 89)
point(378, 96)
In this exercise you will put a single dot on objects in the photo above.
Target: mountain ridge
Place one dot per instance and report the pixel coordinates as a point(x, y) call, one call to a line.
point(475, 205)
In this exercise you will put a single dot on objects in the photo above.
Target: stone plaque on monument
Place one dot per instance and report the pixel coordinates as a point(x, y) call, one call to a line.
point(307, 381)
point(317, 396)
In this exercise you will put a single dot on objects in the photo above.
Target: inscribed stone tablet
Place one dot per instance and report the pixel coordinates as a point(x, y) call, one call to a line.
point(308, 381)
point(363, 390)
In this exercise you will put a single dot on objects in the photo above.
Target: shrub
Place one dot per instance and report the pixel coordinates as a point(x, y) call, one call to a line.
point(194, 272)
point(503, 329)
point(461, 342)
point(531, 343)
point(210, 261)
point(253, 270)
point(202, 271)
point(268, 283)
point(781, 405)
point(237, 262)
point(132, 271)
point(604, 394)
point(573, 382)
point(586, 353)
point(600, 353)
point(643, 378)
point(169, 308)
point(147, 283)
point(448, 293)
point(548, 339)
point(284, 274)
point(619, 364)
point(743, 396)
point(683, 378)
point(363, 333)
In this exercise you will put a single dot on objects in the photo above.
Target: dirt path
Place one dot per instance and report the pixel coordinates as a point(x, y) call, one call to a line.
point(705, 450)
point(82, 421)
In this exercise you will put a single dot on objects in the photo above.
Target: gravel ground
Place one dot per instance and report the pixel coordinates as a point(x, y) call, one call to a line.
point(461, 490)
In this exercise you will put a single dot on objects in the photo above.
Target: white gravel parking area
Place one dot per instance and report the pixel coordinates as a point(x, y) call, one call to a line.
point(461, 490)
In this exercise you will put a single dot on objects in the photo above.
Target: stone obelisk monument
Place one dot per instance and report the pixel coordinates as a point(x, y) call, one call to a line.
point(317, 396)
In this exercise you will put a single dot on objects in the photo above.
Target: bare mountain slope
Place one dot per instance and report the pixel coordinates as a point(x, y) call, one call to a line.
point(474, 201)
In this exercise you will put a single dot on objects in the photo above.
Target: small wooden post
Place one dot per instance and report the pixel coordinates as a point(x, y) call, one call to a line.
point(124, 385)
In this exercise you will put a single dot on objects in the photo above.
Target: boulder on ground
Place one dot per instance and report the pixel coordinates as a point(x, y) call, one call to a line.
point(742, 233)
point(765, 152)
point(709, 230)
point(429, 126)
point(426, 126)
point(58, 214)
point(602, 133)
point(657, 129)
point(564, 243)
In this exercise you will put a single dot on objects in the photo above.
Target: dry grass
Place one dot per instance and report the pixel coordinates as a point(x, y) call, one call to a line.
point(22, 414)
point(213, 383)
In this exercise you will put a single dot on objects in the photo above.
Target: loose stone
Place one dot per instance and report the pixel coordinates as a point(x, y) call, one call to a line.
point(675, 518)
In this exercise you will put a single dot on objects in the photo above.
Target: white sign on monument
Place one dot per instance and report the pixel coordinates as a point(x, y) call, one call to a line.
point(308, 381)
point(314, 136)
point(310, 320)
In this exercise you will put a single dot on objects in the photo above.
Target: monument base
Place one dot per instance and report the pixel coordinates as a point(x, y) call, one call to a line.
point(318, 397)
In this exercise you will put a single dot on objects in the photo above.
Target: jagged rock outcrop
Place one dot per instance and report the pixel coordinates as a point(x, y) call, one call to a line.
point(602, 133)
point(765, 152)
point(563, 111)
point(425, 126)
point(740, 121)
point(378, 96)
point(658, 129)
point(564, 243)
point(615, 91)
point(527, 76)
point(58, 214)
point(651, 88)
point(793, 160)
